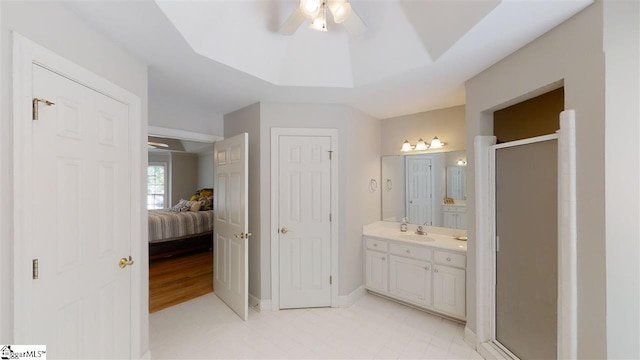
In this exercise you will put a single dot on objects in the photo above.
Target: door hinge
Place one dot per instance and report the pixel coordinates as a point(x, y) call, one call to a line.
point(34, 269)
point(330, 280)
point(34, 106)
point(497, 243)
point(329, 217)
point(330, 154)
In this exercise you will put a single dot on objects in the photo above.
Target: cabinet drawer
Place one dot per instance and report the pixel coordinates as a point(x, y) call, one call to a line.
point(449, 208)
point(378, 245)
point(461, 209)
point(450, 259)
point(414, 252)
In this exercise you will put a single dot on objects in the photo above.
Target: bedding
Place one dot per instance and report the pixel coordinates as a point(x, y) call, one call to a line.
point(165, 225)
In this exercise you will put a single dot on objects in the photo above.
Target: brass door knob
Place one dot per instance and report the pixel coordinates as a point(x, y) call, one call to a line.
point(284, 230)
point(124, 262)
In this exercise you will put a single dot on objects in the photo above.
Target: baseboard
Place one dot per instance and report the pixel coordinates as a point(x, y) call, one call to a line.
point(259, 304)
point(146, 356)
point(348, 300)
point(470, 337)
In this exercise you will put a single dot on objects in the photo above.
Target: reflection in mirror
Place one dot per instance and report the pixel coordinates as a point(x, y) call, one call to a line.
point(415, 186)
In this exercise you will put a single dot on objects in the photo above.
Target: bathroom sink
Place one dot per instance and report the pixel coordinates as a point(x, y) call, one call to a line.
point(416, 237)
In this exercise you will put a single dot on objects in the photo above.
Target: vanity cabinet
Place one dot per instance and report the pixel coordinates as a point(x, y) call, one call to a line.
point(449, 283)
point(454, 216)
point(420, 275)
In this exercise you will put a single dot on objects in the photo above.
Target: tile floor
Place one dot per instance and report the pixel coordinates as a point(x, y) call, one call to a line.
point(372, 328)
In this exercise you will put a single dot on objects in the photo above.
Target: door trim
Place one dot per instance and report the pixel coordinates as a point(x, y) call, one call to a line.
point(335, 222)
point(484, 147)
point(26, 54)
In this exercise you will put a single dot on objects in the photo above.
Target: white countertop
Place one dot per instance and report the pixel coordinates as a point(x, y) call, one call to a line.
point(436, 237)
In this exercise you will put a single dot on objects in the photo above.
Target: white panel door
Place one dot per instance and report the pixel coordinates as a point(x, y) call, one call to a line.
point(81, 223)
point(230, 224)
point(305, 228)
point(419, 190)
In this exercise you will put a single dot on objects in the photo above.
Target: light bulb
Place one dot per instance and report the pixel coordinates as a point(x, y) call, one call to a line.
point(436, 143)
point(421, 145)
point(310, 8)
point(406, 146)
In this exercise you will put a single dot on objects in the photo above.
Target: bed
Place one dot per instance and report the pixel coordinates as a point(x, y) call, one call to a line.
point(171, 233)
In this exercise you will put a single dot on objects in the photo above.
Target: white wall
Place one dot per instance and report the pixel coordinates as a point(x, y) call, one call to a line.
point(248, 120)
point(205, 170)
point(572, 52)
point(53, 26)
point(622, 131)
point(176, 111)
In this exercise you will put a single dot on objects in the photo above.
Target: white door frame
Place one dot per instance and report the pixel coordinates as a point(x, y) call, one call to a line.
point(26, 53)
point(275, 195)
point(567, 241)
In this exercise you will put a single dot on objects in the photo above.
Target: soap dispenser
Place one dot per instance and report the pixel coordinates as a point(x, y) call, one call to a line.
point(403, 225)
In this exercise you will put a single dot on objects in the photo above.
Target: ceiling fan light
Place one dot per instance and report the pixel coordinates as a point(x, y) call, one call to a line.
point(340, 10)
point(310, 8)
point(320, 22)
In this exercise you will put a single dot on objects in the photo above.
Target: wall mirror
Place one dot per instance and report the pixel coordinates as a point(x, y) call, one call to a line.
point(415, 186)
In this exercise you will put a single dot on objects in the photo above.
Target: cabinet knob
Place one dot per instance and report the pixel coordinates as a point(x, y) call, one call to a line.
point(448, 259)
point(375, 245)
point(435, 270)
point(408, 251)
point(426, 268)
point(384, 258)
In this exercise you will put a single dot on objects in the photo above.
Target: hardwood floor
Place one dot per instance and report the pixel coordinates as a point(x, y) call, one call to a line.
point(178, 279)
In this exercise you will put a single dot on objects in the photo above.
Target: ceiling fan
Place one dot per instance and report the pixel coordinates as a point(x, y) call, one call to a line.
point(316, 12)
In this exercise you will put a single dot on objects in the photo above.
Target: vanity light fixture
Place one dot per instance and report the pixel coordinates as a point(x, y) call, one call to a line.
point(461, 162)
point(421, 145)
point(436, 143)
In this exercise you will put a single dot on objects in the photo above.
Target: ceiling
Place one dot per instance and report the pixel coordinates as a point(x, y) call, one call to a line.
point(415, 55)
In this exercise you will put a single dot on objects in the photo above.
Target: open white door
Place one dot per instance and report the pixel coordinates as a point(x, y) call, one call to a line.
point(230, 232)
point(419, 189)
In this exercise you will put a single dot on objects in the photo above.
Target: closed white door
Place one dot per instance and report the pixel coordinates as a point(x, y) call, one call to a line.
point(376, 271)
point(80, 303)
point(230, 224)
point(419, 190)
point(304, 221)
point(410, 279)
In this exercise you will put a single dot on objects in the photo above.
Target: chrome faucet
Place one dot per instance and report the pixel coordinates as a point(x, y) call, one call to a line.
point(420, 230)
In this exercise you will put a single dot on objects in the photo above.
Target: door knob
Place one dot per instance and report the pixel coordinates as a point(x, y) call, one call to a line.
point(284, 230)
point(243, 235)
point(124, 262)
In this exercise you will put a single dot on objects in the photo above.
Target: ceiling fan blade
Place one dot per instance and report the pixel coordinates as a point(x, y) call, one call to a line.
point(354, 24)
point(292, 23)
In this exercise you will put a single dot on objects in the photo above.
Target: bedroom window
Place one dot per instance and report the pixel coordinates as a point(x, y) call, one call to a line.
point(156, 186)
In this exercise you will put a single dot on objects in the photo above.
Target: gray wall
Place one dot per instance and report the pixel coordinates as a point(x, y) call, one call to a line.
point(55, 27)
point(572, 52)
point(357, 165)
point(622, 156)
point(205, 170)
point(184, 176)
point(248, 120)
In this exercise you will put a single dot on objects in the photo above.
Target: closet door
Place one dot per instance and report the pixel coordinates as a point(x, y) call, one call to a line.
point(526, 258)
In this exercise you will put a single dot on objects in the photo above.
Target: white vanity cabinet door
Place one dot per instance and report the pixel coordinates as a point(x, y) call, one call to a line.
point(454, 216)
point(449, 290)
point(450, 220)
point(410, 279)
point(376, 271)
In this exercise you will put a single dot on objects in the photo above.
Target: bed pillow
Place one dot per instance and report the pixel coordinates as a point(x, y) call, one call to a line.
point(195, 206)
point(206, 203)
point(182, 205)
